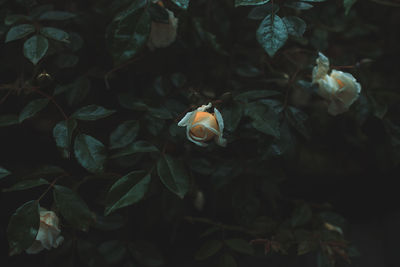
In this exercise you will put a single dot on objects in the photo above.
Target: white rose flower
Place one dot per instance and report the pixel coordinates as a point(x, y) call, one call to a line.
point(202, 126)
point(162, 34)
point(48, 235)
point(339, 88)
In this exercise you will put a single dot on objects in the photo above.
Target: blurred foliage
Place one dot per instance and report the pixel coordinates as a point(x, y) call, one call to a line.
point(129, 188)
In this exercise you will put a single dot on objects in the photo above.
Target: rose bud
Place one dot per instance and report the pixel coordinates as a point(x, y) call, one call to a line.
point(48, 235)
point(339, 88)
point(163, 34)
point(202, 126)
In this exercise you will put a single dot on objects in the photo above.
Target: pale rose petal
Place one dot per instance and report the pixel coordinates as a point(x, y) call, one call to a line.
point(204, 107)
point(48, 235)
point(35, 248)
point(206, 124)
point(49, 218)
point(321, 69)
point(220, 140)
point(196, 142)
point(327, 87)
point(337, 107)
point(162, 34)
point(188, 136)
point(199, 138)
point(59, 241)
point(339, 88)
point(220, 120)
point(350, 92)
point(186, 120)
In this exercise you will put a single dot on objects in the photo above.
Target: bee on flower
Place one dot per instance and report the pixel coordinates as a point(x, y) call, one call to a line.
point(339, 89)
point(202, 126)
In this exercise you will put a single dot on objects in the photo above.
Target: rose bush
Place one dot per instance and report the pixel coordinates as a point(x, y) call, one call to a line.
point(109, 112)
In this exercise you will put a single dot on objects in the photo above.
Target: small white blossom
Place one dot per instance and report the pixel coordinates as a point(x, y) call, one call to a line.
point(339, 89)
point(202, 126)
point(48, 235)
point(163, 34)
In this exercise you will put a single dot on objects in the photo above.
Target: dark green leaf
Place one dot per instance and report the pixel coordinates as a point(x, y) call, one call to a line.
point(296, 118)
point(240, 245)
point(67, 60)
point(9, 119)
point(295, 26)
point(347, 5)
point(208, 249)
point(260, 12)
point(299, 5)
point(250, 2)
point(73, 208)
point(272, 34)
point(62, 134)
point(207, 37)
point(136, 147)
point(227, 260)
point(324, 260)
point(35, 48)
point(19, 31)
point(113, 251)
point(232, 115)
point(55, 34)
point(26, 184)
point(56, 15)
point(265, 119)
point(158, 13)
point(32, 108)
point(146, 253)
point(109, 223)
point(130, 102)
point(184, 4)
point(90, 153)
point(301, 215)
point(12, 19)
point(92, 113)
point(178, 79)
point(173, 175)
point(154, 125)
point(128, 32)
point(23, 227)
point(46, 171)
point(128, 190)
point(76, 92)
point(4, 172)
point(160, 113)
point(255, 94)
point(124, 134)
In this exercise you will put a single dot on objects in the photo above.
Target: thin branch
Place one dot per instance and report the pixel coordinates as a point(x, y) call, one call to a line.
point(37, 90)
point(220, 225)
point(385, 3)
point(49, 187)
point(116, 69)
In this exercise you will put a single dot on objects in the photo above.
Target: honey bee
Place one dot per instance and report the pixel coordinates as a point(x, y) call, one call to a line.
point(44, 77)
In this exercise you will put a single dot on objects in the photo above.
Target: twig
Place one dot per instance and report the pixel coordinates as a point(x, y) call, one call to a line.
point(220, 225)
point(385, 3)
point(37, 90)
point(116, 69)
point(49, 187)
